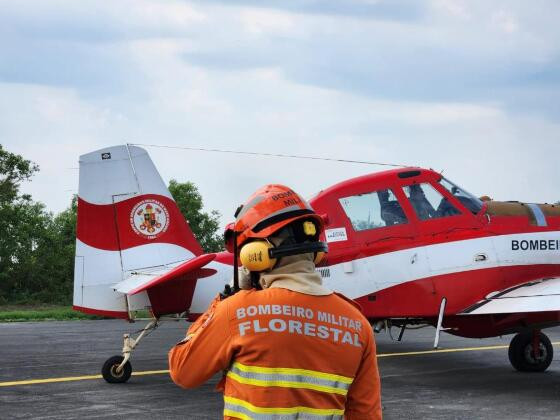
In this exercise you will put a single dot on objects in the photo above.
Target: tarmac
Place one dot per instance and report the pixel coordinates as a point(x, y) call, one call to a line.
point(51, 370)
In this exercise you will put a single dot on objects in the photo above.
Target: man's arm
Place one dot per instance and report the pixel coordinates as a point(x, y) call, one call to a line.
point(206, 349)
point(364, 396)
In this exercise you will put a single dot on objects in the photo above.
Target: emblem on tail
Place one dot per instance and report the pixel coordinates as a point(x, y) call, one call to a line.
point(149, 218)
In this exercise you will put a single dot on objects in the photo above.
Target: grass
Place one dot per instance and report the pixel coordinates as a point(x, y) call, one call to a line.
point(20, 313)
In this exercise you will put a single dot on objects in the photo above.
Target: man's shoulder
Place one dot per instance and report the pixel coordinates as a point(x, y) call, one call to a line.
point(239, 294)
point(352, 302)
point(253, 296)
point(241, 297)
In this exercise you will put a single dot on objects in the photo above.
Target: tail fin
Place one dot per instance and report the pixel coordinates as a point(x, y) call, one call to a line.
point(127, 221)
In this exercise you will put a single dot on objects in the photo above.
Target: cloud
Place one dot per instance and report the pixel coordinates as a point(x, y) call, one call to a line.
point(446, 86)
point(88, 22)
point(52, 126)
point(505, 21)
point(84, 46)
point(482, 53)
point(456, 8)
point(441, 51)
point(258, 21)
point(396, 10)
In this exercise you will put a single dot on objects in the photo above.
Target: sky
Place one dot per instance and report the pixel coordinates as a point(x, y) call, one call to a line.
point(471, 88)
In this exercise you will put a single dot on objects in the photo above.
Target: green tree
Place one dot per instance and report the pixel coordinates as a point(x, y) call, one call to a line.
point(23, 229)
point(204, 225)
point(56, 255)
point(13, 170)
point(36, 248)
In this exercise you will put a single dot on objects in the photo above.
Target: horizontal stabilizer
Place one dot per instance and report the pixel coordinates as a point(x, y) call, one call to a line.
point(140, 281)
point(536, 296)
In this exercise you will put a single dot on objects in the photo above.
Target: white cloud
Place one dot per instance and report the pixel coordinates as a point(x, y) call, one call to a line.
point(87, 20)
point(441, 91)
point(455, 8)
point(262, 21)
point(52, 126)
point(159, 14)
point(505, 21)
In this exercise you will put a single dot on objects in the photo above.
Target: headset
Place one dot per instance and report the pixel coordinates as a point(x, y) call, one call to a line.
point(262, 255)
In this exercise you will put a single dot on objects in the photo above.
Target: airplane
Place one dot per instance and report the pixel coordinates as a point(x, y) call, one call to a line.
point(411, 247)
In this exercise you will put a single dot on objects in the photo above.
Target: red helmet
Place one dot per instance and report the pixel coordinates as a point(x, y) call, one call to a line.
point(269, 209)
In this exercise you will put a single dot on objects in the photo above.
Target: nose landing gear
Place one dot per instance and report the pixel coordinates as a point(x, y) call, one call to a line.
point(530, 352)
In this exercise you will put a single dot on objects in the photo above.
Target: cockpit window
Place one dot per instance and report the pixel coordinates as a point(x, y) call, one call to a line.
point(428, 203)
point(373, 210)
point(467, 199)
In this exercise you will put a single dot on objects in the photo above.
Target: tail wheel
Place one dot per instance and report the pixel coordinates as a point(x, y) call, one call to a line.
point(523, 356)
point(110, 373)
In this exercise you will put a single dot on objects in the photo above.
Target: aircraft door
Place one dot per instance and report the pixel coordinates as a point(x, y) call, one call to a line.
point(385, 241)
point(454, 244)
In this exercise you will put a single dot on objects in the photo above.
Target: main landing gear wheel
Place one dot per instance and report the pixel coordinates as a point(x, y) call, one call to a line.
point(523, 355)
point(110, 370)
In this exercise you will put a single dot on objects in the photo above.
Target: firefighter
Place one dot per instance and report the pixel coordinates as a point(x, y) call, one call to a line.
point(288, 346)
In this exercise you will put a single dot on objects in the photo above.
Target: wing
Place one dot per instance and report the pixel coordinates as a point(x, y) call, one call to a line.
point(143, 280)
point(535, 296)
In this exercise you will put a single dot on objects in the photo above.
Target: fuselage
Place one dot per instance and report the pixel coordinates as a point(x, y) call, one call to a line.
point(400, 241)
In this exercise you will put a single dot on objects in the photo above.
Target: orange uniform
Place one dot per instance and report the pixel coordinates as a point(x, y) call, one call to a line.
point(285, 354)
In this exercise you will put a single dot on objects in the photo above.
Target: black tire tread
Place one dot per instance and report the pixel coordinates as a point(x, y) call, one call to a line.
point(108, 374)
point(517, 356)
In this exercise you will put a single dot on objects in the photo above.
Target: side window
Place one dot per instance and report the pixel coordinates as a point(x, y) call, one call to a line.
point(428, 203)
point(373, 210)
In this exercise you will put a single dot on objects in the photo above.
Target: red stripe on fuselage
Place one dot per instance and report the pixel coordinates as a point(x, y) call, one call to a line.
point(109, 227)
point(422, 298)
point(357, 247)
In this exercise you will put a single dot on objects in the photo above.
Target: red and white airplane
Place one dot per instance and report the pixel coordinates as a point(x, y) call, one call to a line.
point(407, 244)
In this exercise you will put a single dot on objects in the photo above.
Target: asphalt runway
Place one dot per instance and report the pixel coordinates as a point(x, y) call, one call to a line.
point(469, 379)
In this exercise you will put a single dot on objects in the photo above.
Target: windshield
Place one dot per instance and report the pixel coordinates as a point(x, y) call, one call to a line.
point(467, 199)
point(428, 203)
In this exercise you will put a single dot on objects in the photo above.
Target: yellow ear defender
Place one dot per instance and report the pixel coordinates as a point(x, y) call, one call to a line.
point(255, 256)
point(261, 255)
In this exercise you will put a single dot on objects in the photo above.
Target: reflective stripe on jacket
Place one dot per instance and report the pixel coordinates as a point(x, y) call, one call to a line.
point(286, 355)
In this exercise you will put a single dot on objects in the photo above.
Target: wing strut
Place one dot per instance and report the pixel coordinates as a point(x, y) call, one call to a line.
point(439, 327)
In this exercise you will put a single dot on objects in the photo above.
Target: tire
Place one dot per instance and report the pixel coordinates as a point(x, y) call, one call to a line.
point(109, 370)
point(521, 354)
